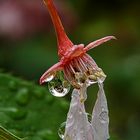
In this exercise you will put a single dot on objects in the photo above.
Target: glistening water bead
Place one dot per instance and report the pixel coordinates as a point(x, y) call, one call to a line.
point(58, 86)
point(49, 78)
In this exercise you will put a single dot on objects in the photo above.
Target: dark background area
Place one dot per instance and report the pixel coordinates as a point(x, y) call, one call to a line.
point(28, 47)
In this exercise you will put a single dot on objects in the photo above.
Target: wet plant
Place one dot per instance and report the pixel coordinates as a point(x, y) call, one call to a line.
point(78, 69)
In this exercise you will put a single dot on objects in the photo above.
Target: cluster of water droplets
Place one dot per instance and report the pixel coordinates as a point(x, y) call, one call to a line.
point(57, 84)
point(96, 76)
point(90, 77)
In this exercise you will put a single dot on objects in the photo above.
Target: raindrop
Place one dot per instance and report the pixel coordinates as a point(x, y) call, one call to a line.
point(50, 77)
point(39, 93)
point(101, 76)
point(80, 78)
point(58, 89)
point(89, 116)
point(22, 97)
point(61, 130)
point(92, 79)
point(103, 117)
point(97, 76)
point(80, 112)
point(58, 86)
point(101, 79)
point(12, 85)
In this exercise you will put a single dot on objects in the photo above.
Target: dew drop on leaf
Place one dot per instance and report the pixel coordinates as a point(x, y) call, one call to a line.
point(22, 97)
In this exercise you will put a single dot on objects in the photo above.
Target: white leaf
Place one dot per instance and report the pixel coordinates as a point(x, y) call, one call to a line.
point(77, 125)
point(100, 118)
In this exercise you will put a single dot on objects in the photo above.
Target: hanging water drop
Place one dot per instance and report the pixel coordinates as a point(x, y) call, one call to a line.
point(101, 76)
point(58, 86)
point(92, 79)
point(50, 77)
point(96, 76)
point(61, 130)
point(89, 116)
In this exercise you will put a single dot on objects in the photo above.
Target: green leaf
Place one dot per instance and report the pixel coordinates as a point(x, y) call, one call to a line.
point(28, 110)
point(6, 135)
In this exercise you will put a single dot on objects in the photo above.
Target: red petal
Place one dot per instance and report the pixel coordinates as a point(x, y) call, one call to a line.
point(58, 66)
point(64, 43)
point(98, 42)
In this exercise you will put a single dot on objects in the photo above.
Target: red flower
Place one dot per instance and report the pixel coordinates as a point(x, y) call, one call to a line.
point(77, 65)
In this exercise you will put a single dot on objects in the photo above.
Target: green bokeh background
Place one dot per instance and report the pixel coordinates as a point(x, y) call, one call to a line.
point(120, 59)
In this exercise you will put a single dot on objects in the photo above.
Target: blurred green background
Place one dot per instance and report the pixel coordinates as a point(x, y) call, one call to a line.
point(28, 47)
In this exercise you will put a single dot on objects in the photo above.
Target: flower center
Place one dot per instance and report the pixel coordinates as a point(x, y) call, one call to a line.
point(83, 69)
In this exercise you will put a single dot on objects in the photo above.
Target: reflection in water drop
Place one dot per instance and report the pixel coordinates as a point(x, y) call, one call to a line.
point(89, 117)
point(101, 80)
point(96, 76)
point(50, 77)
point(61, 130)
point(58, 86)
point(92, 79)
point(58, 91)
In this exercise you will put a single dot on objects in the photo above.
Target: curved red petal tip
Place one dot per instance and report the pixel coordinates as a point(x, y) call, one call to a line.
point(42, 79)
point(98, 42)
point(56, 67)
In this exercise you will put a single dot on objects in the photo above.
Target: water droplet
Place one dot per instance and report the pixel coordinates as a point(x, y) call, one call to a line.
point(101, 79)
point(103, 117)
point(22, 96)
point(58, 91)
point(101, 76)
point(80, 78)
point(89, 117)
point(92, 79)
point(58, 86)
point(96, 76)
point(12, 85)
point(80, 112)
point(50, 77)
point(46, 134)
point(61, 130)
point(39, 93)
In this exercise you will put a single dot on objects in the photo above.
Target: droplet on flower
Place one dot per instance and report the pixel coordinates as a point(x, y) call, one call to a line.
point(80, 79)
point(89, 117)
point(102, 77)
point(58, 86)
point(103, 117)
point(61, 130)
point(50, 77)
point(96, 76)
point(92, 79)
